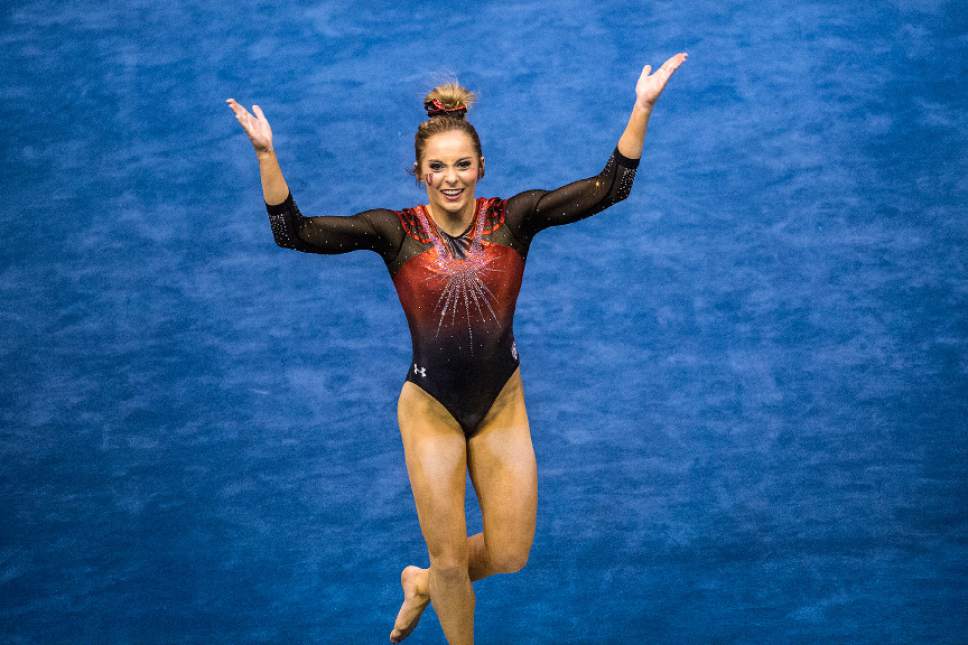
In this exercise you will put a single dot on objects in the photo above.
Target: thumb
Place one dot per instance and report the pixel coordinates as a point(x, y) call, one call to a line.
point(258, 111)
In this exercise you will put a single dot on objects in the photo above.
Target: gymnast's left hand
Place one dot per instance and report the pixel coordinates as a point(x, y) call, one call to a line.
point(649, 87)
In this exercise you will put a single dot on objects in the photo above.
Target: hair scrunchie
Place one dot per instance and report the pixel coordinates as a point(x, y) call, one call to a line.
point(435, 108)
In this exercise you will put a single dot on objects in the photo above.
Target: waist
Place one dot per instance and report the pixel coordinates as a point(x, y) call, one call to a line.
point(464, 348)
point(463, 364)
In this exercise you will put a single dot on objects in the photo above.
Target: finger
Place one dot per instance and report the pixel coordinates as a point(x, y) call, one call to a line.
point(674, 62)
point(258, 112)
point(239, 116)
point(240, 111)
point(244, 118)
point(232, 103)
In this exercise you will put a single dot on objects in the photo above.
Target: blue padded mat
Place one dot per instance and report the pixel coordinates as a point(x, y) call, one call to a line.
point(748, 405)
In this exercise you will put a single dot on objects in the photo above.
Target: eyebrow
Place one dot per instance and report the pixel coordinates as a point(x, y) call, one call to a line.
point(461, 159)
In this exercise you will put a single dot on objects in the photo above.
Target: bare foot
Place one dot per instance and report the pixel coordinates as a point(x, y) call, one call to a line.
point(416, 595)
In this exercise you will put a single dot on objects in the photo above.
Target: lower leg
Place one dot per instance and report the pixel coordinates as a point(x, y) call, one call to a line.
point(453, 599)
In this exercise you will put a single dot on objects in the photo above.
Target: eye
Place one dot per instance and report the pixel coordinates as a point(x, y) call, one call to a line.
point(465, 164)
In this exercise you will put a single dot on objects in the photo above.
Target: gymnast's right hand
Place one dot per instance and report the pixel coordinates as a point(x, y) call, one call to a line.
point(257, 127)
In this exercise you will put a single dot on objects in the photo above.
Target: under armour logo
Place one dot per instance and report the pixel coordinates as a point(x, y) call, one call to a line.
point(422, 371)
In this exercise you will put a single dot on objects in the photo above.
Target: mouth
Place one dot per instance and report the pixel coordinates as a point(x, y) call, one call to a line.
point(453, 194)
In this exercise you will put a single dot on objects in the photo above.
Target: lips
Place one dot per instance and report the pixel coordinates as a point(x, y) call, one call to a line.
point(451, 195)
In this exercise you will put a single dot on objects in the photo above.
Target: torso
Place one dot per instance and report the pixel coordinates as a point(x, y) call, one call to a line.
point(459, 295)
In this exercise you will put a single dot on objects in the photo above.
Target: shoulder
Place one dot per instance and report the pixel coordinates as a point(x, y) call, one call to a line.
point(411, 220)
point(494, 211)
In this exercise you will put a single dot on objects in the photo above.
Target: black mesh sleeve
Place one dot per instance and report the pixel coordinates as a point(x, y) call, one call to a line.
point(533, 210)
point(374, 230)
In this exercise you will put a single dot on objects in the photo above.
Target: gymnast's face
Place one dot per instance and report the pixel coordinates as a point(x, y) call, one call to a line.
point(450, 169)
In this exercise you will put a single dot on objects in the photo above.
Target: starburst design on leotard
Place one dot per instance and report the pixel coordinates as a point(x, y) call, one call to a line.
point(464, 292)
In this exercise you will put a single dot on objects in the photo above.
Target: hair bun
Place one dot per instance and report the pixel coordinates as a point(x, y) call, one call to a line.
point(436, 107)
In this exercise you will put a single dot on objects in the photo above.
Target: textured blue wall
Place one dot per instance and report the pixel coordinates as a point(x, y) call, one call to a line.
point(748, 403)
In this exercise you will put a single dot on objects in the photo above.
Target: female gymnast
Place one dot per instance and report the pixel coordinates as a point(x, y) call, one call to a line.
point(457, 263)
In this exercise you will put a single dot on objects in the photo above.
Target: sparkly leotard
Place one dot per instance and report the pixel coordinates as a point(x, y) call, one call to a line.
point(458, 292)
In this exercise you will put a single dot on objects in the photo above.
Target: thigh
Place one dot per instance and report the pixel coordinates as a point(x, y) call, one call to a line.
point(436, 456)
point(504, 471)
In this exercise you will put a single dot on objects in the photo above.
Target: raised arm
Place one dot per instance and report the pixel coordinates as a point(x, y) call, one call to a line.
point(375, 230)
point(533, 210)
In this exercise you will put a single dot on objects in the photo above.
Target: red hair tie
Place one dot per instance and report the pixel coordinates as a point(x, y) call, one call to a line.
point(435, 107)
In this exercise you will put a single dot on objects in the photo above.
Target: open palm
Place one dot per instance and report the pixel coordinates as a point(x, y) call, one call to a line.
point(256, 126)
point(649, 87)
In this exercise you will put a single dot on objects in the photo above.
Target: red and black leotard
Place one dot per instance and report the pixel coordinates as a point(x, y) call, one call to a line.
point(458, 293)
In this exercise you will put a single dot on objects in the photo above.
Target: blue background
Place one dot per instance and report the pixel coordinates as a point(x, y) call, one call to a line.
point(746, 383)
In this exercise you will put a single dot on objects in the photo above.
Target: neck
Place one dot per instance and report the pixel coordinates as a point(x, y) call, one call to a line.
point(453, 223)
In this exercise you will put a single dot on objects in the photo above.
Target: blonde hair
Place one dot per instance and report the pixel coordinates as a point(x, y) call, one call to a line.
point(452, 95)
point(446, 106)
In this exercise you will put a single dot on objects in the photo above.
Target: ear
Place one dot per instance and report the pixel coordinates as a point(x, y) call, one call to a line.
point(480, 172)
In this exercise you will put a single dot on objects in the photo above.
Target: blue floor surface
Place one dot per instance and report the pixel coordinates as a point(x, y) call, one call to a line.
point(748, 403)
